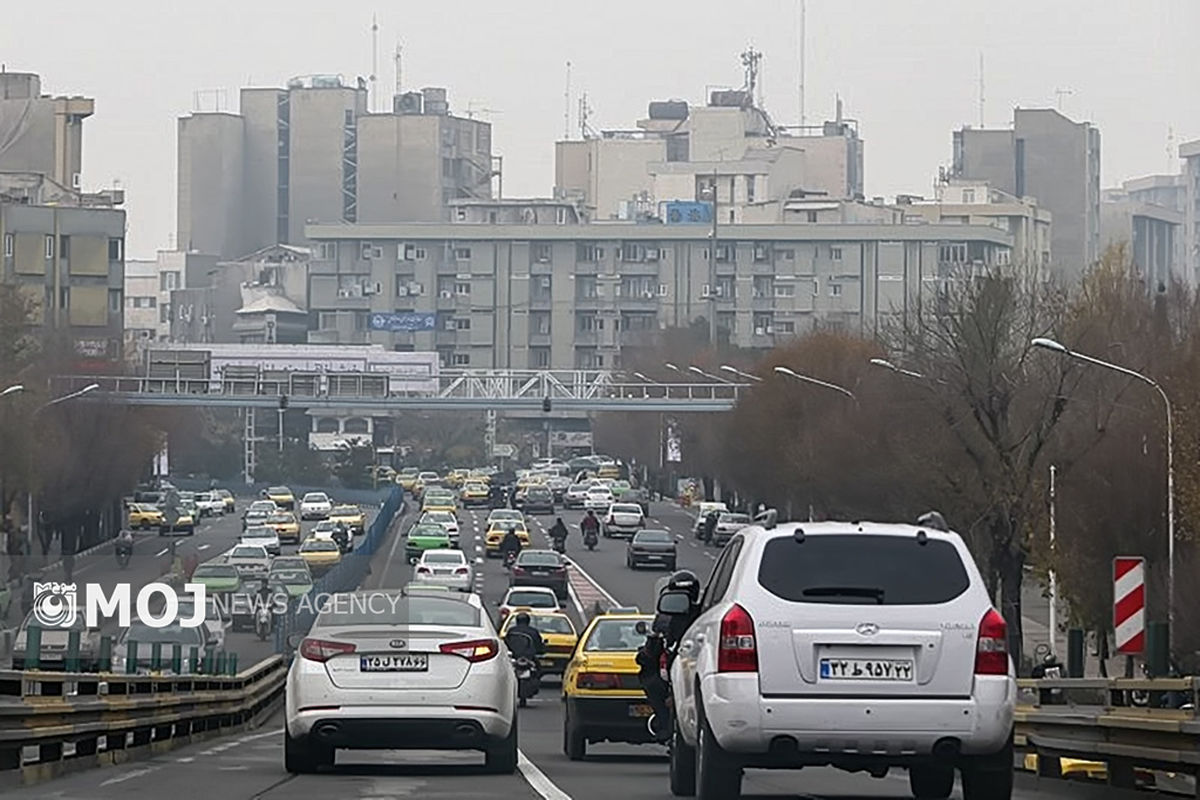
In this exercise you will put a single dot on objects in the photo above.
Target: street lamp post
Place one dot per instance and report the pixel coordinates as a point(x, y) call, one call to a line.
point(1063, 350)
point(740, 374)
point(816, 382)
point(882, 362)
point(91, 387)
point(702, 373)
point(12, 390)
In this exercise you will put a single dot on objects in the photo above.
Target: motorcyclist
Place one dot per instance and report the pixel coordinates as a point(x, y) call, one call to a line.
point(341, 536)
point(511, 543)
point(710, 527)
point(655, 656)
point(590, 524)
point(124, 542)
point(530, 647)
point(558, 532)
point(1050, 668)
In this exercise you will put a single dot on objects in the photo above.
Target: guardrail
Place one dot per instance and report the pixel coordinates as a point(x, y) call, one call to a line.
point(105, 718)
point(1134, 726)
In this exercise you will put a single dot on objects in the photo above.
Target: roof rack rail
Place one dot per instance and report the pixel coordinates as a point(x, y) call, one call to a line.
point(933, 519)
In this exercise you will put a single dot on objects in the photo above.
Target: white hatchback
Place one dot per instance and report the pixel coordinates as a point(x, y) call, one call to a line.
point(861, 646)
point(315, 505)
point(380, 670)
point(448, 568)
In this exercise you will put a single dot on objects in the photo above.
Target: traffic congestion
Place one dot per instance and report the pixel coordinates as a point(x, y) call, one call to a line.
point(498, 639)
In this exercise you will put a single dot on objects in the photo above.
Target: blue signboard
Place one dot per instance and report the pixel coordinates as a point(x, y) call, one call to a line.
point(681, 212)
point(408, 321)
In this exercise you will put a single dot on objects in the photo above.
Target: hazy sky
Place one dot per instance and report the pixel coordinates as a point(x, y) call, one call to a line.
point(908, 71)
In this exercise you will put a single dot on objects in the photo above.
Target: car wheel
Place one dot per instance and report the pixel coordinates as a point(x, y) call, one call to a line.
point(716, 777)
point(301, 756)
point(682, 765)
point(989, 777)
point(574, 742)
point(931, 781)
point(501, 759)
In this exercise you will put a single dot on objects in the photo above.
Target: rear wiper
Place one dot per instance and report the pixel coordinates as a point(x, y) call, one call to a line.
point(845, 591)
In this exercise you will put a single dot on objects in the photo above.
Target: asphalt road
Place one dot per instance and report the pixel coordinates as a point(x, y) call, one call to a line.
point(251, 766)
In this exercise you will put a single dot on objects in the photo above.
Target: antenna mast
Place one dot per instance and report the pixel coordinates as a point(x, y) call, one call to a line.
point(567, 105)
point(585, 113)
point(803, 39)
point(1060, 94)
point(397, 58)
point(752, 60)
point(374, 60)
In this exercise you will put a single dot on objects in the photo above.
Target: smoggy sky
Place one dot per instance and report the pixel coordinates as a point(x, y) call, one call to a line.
point(908, 71)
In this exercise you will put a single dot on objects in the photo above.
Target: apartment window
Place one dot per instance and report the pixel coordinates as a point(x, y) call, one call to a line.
point(49, 247)
point(639, 288)
point(968, 195)
point(540, 324)
point(638, 322)
point(749, 188)
point(810, 216)
point(462, 254)
point(764, 325)
point(835, 253)
point(588, 253)
point(462, 324)
point(835, 290)
point(461, 359)
point(590, 322)
point(349, 117)
point(785, 327)
point(116, 250)
point(1003, 258)
point(462, 288)
point(539, 357)
point(64, 247)
point(952, 252)
point(64, 298)
point(460, 214)
point(445, 287)
point(9, 241)
point(541, 253)
point(168, 281)
point(586, 288)
point(327, 251)
point(787, 254)
point(726, 287)
point(164, 312)
point(115, 298)
point(560, 216)
point(764, 286)
point(785, 290)
point(141, 302)
point(816, 284)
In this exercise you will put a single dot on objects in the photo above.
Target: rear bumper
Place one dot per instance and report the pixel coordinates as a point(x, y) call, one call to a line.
point(652, 559)
point(538, 508)
point(608, 719)
point(401, 728)
point(877, 730)
point(460, 583)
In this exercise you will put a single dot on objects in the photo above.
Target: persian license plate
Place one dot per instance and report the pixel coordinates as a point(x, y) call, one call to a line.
point(403, 662)
point(866, 669)
point(641, 710)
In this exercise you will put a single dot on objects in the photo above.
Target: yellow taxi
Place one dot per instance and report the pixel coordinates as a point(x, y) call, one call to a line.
point(604, 699)
point(142, 515)
point(439, 501)
point(495, 535)
point(456, 477)
point(609, 471)
point(480, 475)
point(282, 496)
point(473, 492)
point(407, 478)
point(321, 555)
point(351, 516)
point(287, 528)
point(558, 632)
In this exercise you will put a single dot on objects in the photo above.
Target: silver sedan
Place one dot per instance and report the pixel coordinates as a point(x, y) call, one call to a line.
point(449, 568)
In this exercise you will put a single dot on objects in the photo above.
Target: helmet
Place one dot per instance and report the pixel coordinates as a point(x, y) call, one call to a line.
point(591, 513)
point(1049, 659)
point(684, 581)
point(523, 618)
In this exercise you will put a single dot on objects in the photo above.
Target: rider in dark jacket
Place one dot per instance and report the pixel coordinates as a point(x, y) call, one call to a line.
point(590, 524)
point(656, 655)
point(511, 543)
point(559, 530)
point(522, 625)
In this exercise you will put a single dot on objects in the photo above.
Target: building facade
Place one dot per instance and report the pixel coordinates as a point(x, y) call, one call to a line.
point(142, 325)
point(1147, 217)
point(1052, 159)
point(572, 296)
point(42, 134)
point(1189, 152)
point(311, 152)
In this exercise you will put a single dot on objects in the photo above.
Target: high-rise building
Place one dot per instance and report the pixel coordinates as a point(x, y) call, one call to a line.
point(1053, 159)
point(1190, 153)
point(41, 134)
point(311, 152)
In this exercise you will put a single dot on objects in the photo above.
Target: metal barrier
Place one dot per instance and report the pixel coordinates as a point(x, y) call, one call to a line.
point(346, 576)
point(103, 715)
point(1117, 721)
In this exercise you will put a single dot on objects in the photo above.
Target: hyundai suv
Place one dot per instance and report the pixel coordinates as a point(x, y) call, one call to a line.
point(861, 646)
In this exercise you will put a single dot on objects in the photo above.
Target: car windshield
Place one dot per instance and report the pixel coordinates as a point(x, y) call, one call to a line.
point(325, 526)
point(551, 623)
point(440, 517)
point(380, 608)
point(248, 552)
point(653, 537)
point(862, 568)
point(532, 599)
point(626, 508)
point(279, 490)
point(614, 635)
point(281, 519)
point(316, 497)
point(214, 571)
point(259, 532)
point(263, 505)
point(542, 559)
point(79, 622)
point(578, 487)
point(318, 545)
point(288, 562)
point(502, 515)
point(428, 530)
point(444, 557)
point(292, 576)
point(346, 511)
point(733, 519)
point(476, 487)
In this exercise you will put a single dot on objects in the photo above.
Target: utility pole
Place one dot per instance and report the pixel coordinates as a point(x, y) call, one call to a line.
point(1053, 577)
point(712, 269)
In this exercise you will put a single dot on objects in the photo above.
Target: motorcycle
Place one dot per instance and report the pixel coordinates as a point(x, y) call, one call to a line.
point(124, 552)
point(528, 678)
point(656, 683)
point(510, 558)
point(560, 544)
point(590, 539)
point(262, 622)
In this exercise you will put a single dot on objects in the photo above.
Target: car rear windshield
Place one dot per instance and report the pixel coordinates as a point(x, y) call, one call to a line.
point(316, 497)
point(248, 552)
point(733, 518)
point(259, 532)
point(385, 608)
point(653, 537)
point(539, 559)
point(346, 511)
point(318, 545)
point(215, 571)
point(175, 632)
point(551, 623)
point(290, 576)
point(626, 509)
point(279, 490)
point(615, 635)
point(532, 599)
point(863, 569)
point(444, 557)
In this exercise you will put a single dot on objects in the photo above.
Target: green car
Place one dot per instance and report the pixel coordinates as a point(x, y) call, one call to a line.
point(217, 578)
point(297, 582)
point(620, 489)
point(422, 537)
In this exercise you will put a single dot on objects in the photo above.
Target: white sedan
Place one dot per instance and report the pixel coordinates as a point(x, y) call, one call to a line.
point(382, 670)
point(315, 505)
point(449, 568)
point(598, 499)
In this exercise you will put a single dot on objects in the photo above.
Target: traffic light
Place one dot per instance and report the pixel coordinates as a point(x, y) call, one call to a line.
point(283, 402)
point(546, 405)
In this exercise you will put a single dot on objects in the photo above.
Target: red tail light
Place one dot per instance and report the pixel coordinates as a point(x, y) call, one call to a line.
point(422, 570)
point(474, 651)
point(321, 650)
point(598, 680)
point(991, 653)
point(504, 612)
point(518, 570)
point(461, 571)
point(737, 651)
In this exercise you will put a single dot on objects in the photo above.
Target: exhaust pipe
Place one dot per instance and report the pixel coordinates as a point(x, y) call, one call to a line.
point(327, 730)
point(466, 731)
point(947, 748)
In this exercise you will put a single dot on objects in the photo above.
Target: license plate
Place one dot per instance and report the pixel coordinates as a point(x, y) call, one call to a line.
point(538, 572)
point(866, 669)
point(408, 662)
point(443, 572)
point(641, 710)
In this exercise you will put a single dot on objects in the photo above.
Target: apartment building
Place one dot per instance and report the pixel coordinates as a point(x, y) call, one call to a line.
point(42, 134)
point(572, 296)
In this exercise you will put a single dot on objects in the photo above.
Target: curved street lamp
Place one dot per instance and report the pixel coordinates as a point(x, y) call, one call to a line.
point(816, 382)
point(13, 390)
point(740, 374)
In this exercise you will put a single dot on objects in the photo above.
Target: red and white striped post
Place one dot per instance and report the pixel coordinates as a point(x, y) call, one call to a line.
point(1129, 604)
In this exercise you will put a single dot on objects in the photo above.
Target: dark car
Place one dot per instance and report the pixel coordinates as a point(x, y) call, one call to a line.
point(538, 500)
point(541, 568)
point(651, 548)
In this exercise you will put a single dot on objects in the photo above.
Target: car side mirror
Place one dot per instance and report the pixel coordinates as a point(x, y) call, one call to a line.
point(674, 603)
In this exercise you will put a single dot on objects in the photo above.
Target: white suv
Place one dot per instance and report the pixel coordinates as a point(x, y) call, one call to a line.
point(861, 646)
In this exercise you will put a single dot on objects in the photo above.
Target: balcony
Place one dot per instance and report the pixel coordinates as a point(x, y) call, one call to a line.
point(539, 339)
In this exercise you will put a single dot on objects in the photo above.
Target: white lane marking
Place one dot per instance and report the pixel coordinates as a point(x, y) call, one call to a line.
point(478, 559)
point(538, 781)
point(275, 732)
point(203, 546)
point(710, 555)
point(159, 554)
point(137, 773)
point(185, 760)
